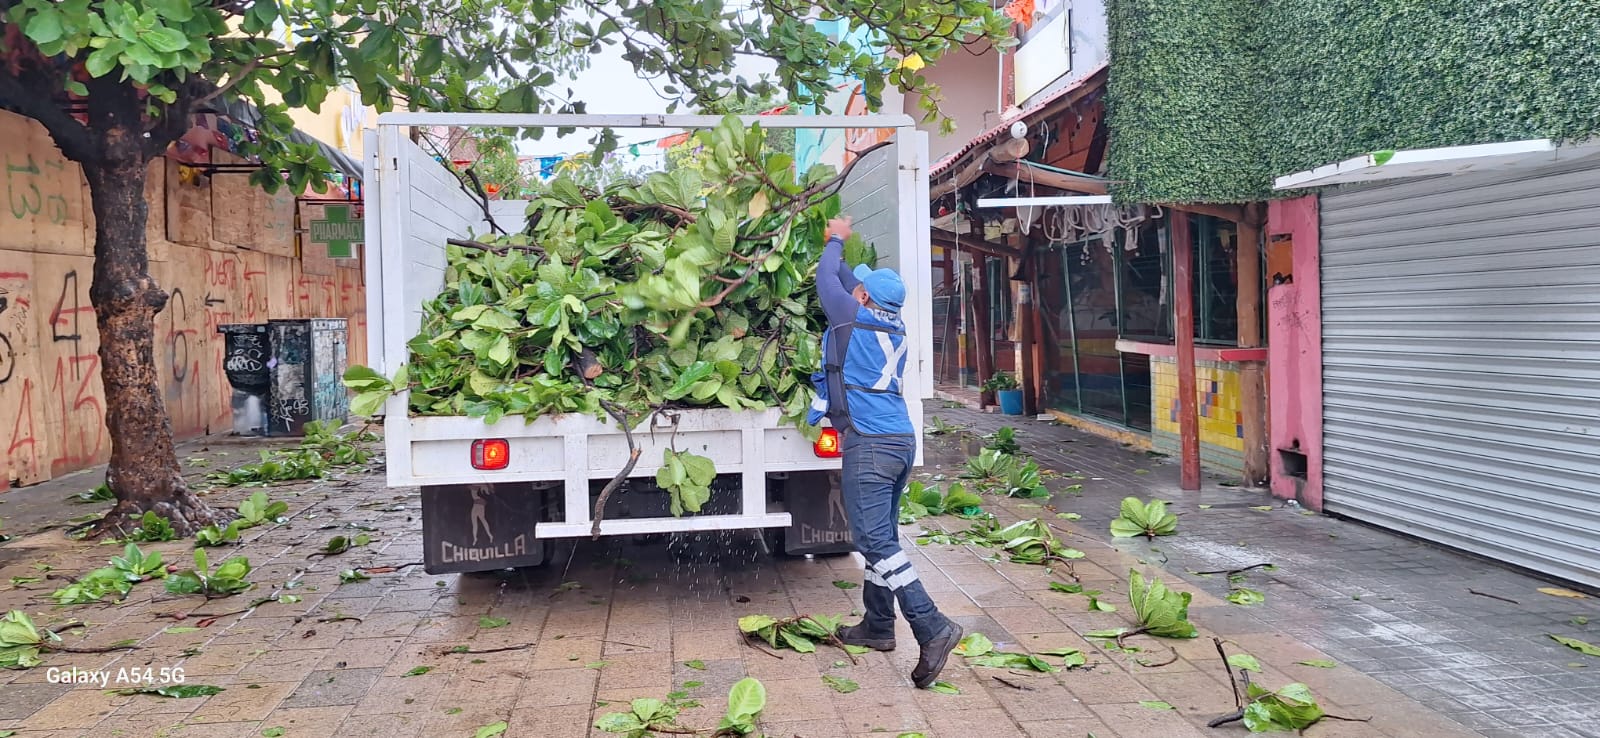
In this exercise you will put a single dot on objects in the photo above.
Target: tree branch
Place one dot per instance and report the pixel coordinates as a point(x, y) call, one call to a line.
point(619, 415)
point(233, 81)
point(38, 101)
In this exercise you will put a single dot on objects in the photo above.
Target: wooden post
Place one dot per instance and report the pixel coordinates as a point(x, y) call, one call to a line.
point(1027, 373)
point(1041, 368)
point(983, 344)
point(1252, 380)
point(1183, 334)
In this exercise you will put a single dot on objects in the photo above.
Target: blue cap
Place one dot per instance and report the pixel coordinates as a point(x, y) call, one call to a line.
point(883, 285)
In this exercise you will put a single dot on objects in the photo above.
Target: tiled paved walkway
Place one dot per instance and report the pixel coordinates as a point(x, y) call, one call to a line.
point(640, 609)
point(1390, 606)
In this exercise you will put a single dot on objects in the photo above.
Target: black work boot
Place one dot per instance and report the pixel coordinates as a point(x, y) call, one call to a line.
point(934, 655)
point(860, 635)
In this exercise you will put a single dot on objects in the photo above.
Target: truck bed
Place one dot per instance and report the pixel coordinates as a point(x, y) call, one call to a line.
point(415, 205)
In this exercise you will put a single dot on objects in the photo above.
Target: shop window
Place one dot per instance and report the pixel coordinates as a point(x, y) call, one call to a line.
point(1215, 280)
point(997, 286)
point(1143, 304)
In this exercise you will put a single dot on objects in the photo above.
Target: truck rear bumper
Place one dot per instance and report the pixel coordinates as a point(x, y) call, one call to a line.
point(685, 524)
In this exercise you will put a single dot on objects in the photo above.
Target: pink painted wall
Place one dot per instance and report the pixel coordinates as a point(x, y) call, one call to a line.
point(1294, 354)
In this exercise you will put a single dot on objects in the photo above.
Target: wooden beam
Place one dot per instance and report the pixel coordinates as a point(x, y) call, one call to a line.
point(1248, 267)
point(1009, 150)
point(1023, 172)
point(970, 242)
point(1252, 379)
point(1234, 213)
point(981, 333)
point(1183, 333)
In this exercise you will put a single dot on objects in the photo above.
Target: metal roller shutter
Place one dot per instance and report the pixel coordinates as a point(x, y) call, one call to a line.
point(1461, 362)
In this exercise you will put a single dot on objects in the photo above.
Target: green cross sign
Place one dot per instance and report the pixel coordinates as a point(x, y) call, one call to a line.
point(338, 231)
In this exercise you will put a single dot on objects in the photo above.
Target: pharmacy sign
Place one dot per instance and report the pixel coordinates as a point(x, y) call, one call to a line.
point(338, 231)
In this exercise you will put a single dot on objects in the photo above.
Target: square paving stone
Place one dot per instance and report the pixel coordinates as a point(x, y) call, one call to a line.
point(333, 687)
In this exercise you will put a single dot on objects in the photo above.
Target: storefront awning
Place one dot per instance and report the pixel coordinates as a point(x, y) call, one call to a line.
point(247, 114)
point(1405, 163)
point(1050, 201)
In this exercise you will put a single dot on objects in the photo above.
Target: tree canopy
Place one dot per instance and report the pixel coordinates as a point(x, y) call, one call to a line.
point(442, 55)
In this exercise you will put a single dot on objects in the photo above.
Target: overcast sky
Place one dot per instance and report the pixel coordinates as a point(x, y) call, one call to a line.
point(610, 85)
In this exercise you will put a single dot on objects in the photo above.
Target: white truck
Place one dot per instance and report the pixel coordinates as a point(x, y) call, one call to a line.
point(493, 494)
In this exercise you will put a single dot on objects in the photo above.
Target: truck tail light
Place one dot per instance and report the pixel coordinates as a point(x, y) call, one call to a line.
point(827, 445)
point(491, 454)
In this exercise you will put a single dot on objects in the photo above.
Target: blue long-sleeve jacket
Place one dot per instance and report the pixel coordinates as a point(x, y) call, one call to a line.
point(864, 357)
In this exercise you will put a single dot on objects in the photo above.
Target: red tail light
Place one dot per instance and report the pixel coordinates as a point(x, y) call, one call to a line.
point(827, 445)
point(490, 454)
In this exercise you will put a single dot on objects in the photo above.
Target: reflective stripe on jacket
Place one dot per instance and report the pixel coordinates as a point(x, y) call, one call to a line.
point(864, 365)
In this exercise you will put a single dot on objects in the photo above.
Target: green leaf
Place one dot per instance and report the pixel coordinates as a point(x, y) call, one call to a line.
point(1156, 705)
point(746, 700)
point(1007, 660)
point(842, 584)
point(367, 404)
point(1246, 597)
point(840, 684)
point(755, 623)
point(619, 722)
point(1382, 157)
point(695, 664)
point(975, 644)
point(691, 376)
point(430, 56)
point(487, 622)
point(491, 730)
point(1319, 663)
point(273, 732)
point(797, 642)
point(1146, 519)
point(1244, 662)
point(44, 25)
point(1581, 646)
point(417, 671)
point(1068, 588)
point(944, 688)
point(1162, 612)
point(165, 40)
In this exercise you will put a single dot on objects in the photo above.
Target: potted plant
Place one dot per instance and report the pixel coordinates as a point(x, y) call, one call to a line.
point(1006, 391)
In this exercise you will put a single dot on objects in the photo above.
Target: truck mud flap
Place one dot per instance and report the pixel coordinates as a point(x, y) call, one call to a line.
point(818, 524)
point(480, 527)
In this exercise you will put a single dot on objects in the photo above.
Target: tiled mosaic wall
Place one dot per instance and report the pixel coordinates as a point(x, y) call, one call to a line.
point(1221, 423)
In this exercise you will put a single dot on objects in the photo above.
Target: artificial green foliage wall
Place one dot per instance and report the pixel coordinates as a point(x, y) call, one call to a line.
point(1181, 100)
point(1307, 82)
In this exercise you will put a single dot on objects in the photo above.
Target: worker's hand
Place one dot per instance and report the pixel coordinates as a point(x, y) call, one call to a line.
point(839, 227)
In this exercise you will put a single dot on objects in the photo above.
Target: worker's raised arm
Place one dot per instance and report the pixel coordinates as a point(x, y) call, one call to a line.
point(834, 280)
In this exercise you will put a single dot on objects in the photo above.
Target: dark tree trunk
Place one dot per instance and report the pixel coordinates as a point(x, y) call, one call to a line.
point(144, 471)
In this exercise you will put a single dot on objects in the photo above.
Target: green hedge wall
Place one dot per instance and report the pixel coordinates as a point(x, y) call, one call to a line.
point(1209, 100)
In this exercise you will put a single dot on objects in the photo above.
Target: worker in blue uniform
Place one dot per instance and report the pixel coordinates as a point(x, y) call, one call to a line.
point(860, 392)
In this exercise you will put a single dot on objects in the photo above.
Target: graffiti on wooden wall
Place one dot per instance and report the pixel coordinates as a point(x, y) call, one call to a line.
point(52, 404)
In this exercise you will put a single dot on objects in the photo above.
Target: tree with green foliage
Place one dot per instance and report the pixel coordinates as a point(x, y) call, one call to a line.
point(138, 70)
